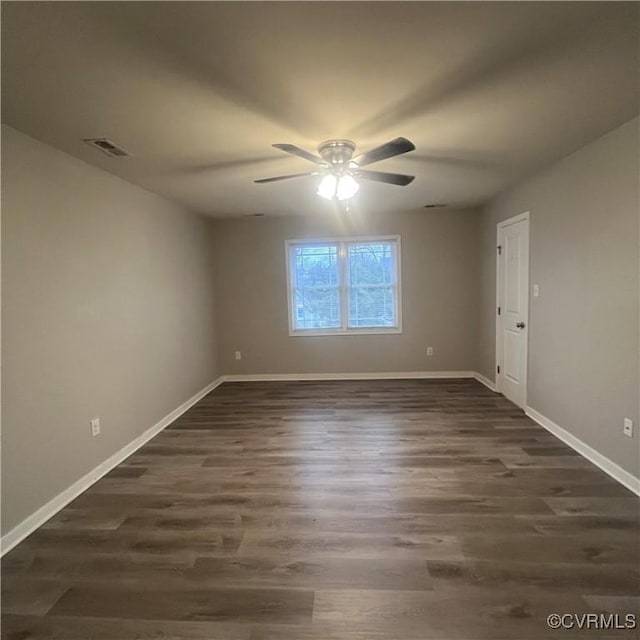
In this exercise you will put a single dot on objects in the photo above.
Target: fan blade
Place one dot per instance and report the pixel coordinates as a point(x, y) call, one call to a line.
point(292, 175)
point(389, 178)
point(297, 151)
point(388, 150)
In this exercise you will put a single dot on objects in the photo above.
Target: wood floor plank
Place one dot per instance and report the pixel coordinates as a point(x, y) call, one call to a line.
point(399, 524)
point(15, 627)
point(610, 579)
point(545, 462)
point(176, 543)
point(460, 613)
point(582, 524)
point(189, 604)
point(348, 545)
point(85, 519)
point(312, 573)
point(333, 510)
point(29, 596)
point(603, 548)
point(72, 568)
point(620, 506)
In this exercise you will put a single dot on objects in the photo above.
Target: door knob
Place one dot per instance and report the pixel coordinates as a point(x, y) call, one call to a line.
point(520, 325)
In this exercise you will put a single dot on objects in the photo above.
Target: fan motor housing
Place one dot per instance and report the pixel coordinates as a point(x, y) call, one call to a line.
point(336, 151)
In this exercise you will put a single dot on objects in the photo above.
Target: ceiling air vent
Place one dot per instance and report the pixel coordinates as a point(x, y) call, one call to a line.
point(435, 206)
point(106, 146)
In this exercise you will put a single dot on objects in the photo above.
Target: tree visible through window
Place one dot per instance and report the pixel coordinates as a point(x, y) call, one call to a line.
point(344, 286)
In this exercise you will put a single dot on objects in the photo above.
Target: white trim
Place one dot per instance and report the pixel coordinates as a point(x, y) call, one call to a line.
point(608, 466)
point(310, 333)
point(513, 219)
point(341, 243)
point(384, 375)
point(521, 217)
point(32, 522)
point(498, 325)
point(484, 380)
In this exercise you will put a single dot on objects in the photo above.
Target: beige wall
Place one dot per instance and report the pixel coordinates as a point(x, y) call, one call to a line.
point(583, 328)
point(107, 310)
point(439, 286)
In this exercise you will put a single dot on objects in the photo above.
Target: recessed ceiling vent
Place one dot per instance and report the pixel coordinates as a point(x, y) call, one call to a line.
point(435, 206)
point(106, 146)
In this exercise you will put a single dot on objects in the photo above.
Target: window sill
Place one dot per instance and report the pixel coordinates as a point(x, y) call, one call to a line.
point(303, 333)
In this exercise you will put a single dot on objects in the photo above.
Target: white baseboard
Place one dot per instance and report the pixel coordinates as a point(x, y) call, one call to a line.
point(608, 466)
point(30, 524)
point(485, 381)
point(387, 375)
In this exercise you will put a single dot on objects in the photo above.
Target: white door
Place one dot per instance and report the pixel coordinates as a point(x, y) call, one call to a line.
point(513, 308)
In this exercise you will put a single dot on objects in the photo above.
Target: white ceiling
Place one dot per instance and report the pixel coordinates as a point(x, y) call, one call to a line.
point(199, 91)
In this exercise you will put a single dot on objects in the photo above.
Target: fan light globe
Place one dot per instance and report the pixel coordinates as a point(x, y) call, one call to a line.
point(327, 187)
point(347, 188)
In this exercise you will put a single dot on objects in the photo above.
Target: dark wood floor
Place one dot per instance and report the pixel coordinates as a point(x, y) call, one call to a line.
point(368, 510)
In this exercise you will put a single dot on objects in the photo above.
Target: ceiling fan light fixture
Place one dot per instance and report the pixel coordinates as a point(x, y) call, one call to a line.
point(341, 172)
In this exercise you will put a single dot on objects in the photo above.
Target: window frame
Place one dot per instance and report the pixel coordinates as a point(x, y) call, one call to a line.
point(344, 329)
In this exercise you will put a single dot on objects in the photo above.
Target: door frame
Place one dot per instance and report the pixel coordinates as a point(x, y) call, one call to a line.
point(498, 376)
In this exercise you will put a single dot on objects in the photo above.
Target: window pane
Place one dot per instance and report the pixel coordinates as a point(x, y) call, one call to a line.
point(315, 265)
point(318, 308)
point(372, 279)
point(371, 263)
point(316, 298)
point(372, 307)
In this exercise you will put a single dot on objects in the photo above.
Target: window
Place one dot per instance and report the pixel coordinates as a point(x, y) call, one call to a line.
point(343, 286)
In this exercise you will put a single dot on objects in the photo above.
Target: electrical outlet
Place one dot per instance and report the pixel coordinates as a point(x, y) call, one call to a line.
point(95, 427)
point(536, 290)
point(238, 355)
point(429, 351)
point(628, 427)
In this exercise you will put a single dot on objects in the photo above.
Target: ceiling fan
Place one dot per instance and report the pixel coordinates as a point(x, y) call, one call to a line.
point(340, 171)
